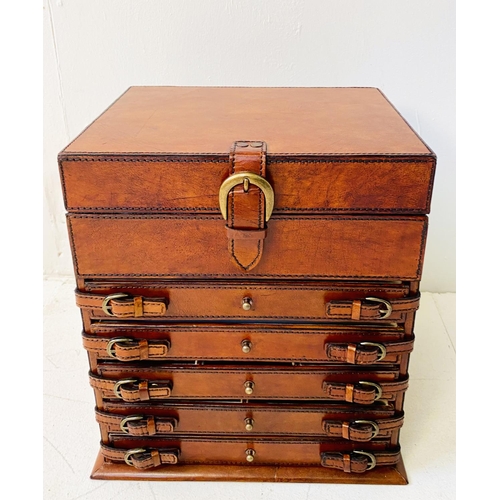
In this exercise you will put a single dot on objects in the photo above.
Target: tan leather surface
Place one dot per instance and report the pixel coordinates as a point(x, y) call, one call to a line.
point(266, 420)
point(196, 246)
point(220, 450)
point(269, 382)
point(198, 343)
point(197, 120)
point(305, 301)
point(315, 185)
point(287, 341)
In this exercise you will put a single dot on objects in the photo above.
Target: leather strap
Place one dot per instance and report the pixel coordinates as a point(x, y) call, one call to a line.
point(123, 307)
point(369, 310)
point(130, 389)
point(362, 430)
point(366, 353)
point(140, 458)
point(359, 461)
point(246, 209)
point(136, 425)
point(364, 393)
point(126, 349)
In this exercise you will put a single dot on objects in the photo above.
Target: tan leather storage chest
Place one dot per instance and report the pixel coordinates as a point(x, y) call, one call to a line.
point(248, 264)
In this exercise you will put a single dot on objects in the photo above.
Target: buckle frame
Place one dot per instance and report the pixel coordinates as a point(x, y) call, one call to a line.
point(133, 451)
point(246, 178)
point(116, 388)
point(110, 347)
point(380, 347)
point(371, 456)
point(378, 389)
point(131, 418)
point(383, 314)
point(376, 428)
point(105, 303)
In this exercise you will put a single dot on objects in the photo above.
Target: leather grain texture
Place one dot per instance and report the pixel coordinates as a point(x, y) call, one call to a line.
point(270, 342)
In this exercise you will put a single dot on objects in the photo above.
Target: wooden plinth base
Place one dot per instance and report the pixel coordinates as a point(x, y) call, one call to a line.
point(258, 473)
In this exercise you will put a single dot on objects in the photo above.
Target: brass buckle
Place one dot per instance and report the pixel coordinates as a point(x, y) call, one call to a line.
point(387, 304)
point(111, 344)
point(380, 347)
point(116, 388)
point(134, 451)
point(378, 389)
point(105, 303)
point(376, 428)
point(246, 178)
point(373, 460)
point(123, 423)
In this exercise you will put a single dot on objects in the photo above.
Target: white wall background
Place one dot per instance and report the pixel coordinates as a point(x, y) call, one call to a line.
point(95, 49)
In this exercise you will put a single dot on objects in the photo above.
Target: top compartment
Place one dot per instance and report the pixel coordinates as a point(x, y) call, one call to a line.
point(329, 150)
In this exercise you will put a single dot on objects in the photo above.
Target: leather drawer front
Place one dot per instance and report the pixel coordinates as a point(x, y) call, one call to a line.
point(218, 450)
point(262, 419)
point(209, 301)
point(276, 343)
point(218, 382)
point(343, 247)
point(98, 183)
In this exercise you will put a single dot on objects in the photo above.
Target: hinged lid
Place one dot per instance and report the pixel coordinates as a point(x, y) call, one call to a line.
point(329, 150)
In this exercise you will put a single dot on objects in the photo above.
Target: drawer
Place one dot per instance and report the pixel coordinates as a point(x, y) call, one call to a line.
point(128, 341)
point(224, 301)
point(146, 453)
point(299, 247)
point(352, 422)
point(135, 382)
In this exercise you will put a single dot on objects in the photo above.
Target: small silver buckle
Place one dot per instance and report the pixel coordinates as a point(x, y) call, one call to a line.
point(373, 460)
point(131, 418)
point(378, 389)
point(376, 428)
point(383, 314)
point(105, 303)
point(380, 347)
point(134, 451)
point(111, 344)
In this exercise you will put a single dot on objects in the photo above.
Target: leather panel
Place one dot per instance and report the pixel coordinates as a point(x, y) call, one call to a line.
point(190, 246)
point(265, 419)
point(226, 342)
point(223, 300)
point(230, 382)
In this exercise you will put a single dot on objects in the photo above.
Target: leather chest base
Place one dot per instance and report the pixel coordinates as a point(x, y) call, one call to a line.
point(390, 475)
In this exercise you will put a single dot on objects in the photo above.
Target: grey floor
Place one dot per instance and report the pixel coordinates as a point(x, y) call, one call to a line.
point(71, 434)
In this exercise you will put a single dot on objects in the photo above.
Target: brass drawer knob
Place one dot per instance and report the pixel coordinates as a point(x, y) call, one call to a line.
point(246, 304)
point(250, 454)
point(249, 424)
point(249, 386)
point(246, 346)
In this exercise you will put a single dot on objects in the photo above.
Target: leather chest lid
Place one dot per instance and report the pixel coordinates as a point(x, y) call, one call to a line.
point(293, 121)
point(322, 150)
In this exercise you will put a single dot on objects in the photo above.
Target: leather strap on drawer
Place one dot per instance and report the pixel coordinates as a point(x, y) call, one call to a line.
point(246, 205)
point(141, 458)
point(126, 349)
point(137, 425)
point(121, 305)
point(364, 392)
point(371, 308)
point(359, 461)
point(366, 353)
point(131, 389)
point(362, 430)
